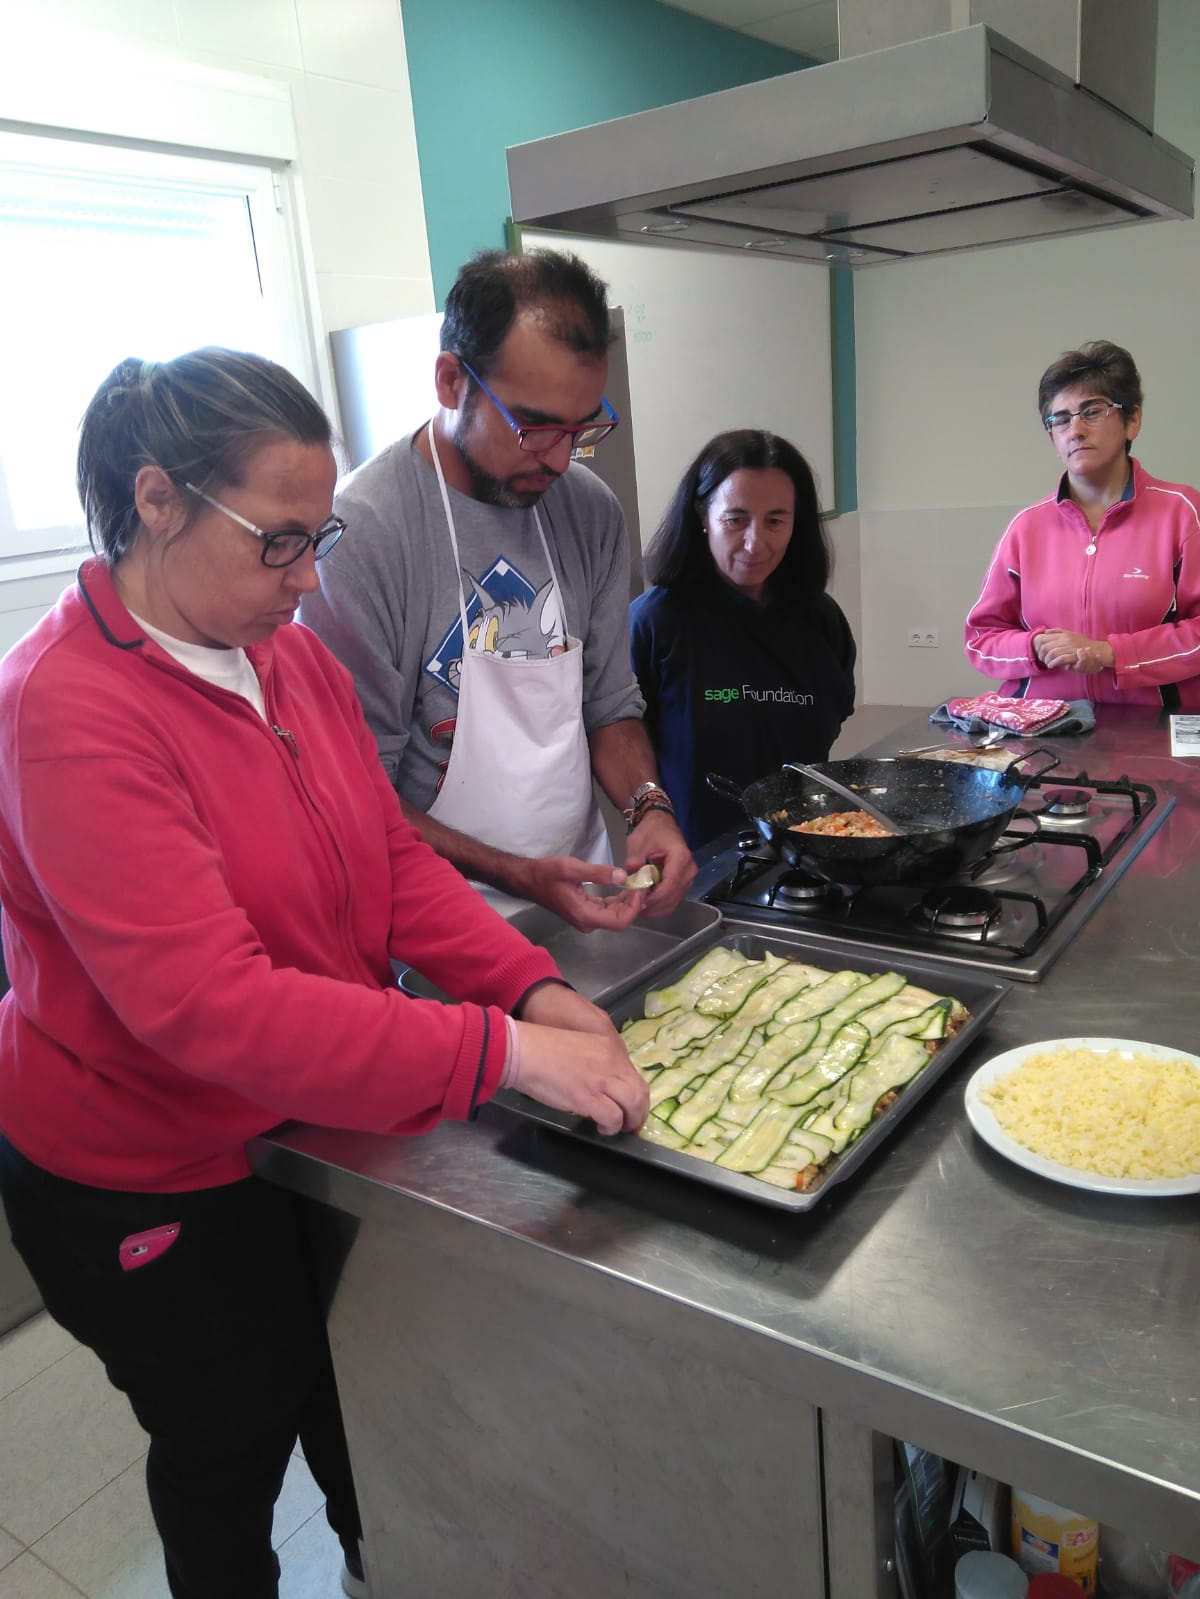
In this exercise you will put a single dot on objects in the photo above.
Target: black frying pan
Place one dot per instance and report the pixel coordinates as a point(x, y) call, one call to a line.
point(952, 812)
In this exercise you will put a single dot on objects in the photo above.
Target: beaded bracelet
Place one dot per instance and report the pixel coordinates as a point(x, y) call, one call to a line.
point(632, 818)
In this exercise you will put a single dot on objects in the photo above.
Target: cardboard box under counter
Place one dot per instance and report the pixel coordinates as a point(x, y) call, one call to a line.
point(979, 1514)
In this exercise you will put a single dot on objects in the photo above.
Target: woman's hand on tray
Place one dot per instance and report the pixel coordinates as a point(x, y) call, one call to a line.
point(572, 1058)
point(555, 1004)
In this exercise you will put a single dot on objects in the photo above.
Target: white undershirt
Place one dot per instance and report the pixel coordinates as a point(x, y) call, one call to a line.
point(231, 669)
point(227, 669)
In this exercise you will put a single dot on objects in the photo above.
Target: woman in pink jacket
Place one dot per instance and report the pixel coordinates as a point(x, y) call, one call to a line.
point(205, 876)
point(1094, 593)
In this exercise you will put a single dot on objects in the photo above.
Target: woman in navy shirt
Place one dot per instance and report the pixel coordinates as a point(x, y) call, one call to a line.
point(744, 660)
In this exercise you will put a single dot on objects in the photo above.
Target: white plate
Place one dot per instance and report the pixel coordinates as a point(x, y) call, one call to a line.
point(990, 1130)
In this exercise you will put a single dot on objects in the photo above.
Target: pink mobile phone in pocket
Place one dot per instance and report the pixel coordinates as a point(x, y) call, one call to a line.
point(139, 1249)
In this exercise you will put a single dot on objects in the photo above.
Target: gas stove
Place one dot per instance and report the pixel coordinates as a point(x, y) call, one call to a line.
point(1013, 912)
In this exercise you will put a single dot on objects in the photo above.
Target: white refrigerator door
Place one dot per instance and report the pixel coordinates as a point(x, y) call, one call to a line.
point(384, 376)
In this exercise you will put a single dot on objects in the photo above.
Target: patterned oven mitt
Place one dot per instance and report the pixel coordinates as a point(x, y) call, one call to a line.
point(1000, 710)
point(980, 713)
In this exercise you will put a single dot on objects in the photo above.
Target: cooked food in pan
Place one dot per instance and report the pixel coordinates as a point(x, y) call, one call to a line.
point(771, 1067)
point(845, 824)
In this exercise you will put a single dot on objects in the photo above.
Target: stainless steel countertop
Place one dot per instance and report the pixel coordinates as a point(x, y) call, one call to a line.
point(1044, 1334)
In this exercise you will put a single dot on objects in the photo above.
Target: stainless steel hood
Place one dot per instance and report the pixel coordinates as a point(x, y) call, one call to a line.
point(945, 143)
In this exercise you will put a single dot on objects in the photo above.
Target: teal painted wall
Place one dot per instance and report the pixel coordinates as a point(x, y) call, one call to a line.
point(845, 417)
point(489, 73)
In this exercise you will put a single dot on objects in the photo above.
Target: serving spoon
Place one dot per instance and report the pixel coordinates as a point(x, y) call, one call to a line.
point(975, 741)
point(859, 801)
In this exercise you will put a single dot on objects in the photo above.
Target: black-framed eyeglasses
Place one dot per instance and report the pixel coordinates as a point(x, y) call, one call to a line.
point(1089, 413)
point(281, 549)
point(541, 436)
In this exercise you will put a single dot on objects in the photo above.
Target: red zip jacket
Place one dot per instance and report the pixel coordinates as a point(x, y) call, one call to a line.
point(1140, 590)
point(200, 907)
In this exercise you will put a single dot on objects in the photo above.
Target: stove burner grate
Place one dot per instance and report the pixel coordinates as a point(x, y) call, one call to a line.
point(801, 891)
point(1067, 801)
point(1023, 900)
point(965, 909)
point(1066, 805)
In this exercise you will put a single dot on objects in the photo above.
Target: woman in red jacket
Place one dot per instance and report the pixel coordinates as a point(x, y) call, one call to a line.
point(205, 876)
point(1094, 593)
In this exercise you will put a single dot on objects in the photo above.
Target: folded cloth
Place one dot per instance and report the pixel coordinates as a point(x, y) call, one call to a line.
point(1001, 710)
point(982, 713)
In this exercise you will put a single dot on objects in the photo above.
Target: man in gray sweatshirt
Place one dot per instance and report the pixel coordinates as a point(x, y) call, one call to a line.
point(480, 602)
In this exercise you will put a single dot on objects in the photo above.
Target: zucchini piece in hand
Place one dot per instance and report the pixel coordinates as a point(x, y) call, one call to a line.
point(645, 877)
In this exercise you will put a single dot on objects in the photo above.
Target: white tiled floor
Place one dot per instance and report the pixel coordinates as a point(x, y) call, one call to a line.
point(73, 1513)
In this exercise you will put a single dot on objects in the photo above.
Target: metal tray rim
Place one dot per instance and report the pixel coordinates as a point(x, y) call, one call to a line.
point(544, 928)
point(981, 995)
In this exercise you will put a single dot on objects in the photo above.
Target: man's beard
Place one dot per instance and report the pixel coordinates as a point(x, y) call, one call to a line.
point(491, 490)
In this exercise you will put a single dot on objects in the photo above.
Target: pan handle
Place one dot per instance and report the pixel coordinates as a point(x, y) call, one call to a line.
point(1016, 768)
point(726, 788)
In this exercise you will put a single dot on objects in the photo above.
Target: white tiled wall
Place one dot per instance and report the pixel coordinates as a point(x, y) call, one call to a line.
point(345, 63)
point(25, 601)
point(922, 568)
point(949, 352)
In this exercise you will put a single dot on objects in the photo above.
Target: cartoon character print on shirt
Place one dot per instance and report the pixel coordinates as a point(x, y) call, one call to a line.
point(506, 616)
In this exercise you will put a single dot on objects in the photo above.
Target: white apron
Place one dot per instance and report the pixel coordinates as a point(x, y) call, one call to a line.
point(520, 773)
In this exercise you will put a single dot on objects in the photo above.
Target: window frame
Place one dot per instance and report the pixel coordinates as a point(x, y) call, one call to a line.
point(186, 112)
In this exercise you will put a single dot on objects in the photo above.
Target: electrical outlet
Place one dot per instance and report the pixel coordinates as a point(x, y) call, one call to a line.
point(922, 638)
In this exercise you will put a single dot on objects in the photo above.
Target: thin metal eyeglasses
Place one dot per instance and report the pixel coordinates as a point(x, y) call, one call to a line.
point(1089, 413)
point(281, 549)
point(544, 436)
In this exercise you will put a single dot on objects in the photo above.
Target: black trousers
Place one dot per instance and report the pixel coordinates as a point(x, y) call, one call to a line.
point(218, 1342)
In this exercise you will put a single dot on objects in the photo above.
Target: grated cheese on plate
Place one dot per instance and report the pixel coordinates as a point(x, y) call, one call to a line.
point(1116, 1115)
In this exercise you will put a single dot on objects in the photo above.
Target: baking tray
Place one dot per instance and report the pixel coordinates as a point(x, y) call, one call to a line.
point(981, 997)
point(602, 964)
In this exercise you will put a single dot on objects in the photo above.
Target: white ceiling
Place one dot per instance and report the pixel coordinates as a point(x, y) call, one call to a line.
point(807, 26)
